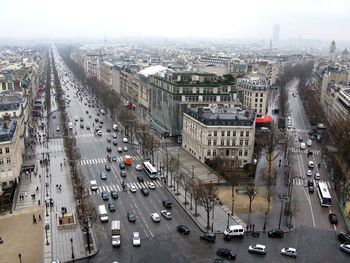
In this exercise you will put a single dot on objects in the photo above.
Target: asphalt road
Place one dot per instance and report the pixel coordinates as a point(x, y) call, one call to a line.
point(159, 241)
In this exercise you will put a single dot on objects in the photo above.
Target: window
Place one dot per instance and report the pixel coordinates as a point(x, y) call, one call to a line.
point(234, 133)
point(227, 142)
point(1, 161)
point(261, 100)
point(214, 152)
point(209, 142)
point(7, 149)
point(209, 133)
point(241, 134)
point(215, 133)
point(227, 152)
point(0, 150)
point(222, 133)
point(222, 142)
point(214, 142)
point(233, 143)
point(8, 159)
point(256, 100)
point(228, 133)
point(208, 153)
point(240, 153)
point(246, 142)
point(240, 142)
point(247, 134)
point(246, 153)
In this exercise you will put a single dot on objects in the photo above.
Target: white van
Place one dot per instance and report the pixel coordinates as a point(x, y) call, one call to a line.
point(93, 185)
point(102, 213)
point(234, 231)
point(302, 146)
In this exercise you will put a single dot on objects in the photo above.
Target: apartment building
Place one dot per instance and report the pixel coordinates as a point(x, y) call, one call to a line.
point(105, 70)
point(211, 132)
point(253, 94)
point(171, 92)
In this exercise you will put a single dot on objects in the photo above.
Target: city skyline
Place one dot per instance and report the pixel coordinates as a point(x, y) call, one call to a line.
point(254, 20)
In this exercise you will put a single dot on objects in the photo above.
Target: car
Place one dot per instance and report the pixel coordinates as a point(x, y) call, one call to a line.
point(140, 179)
point(131, 217)
point(220, 260)
point(90, 116)
point(107, 168)
point(317, 176)
point(114, 135)
point(125, 140)
point(310, 186)
point(104, 196)
point(289, 251)
point(115, 143)
point(333, 219)
point(99, 133)
point(136, 240)
point(121, 165)
point(210, 237)
point(166, 214)
point(119, 149)
point(108, 130)
point(302, 146)
point(300, 139)
point(225, 252)
point(344, 238)
point(311, 164)
point(87, 127)
point(114, 158)
point(167, 204)
point(144, 191)
point(87, 112)
point(96, 119)
point(103, 176)
point(151, 185)
point(58, 128)
point(125, 149)
point(309, 173)
point(100, 125)
point(109, 139)
point(155, 217)
point(345, 248)
point(275, 233)
point(81, 119)
point(133, 189)
point(123, 173)
point(138, 167)
point(257, 248)
point(114, 194)
point(183, 229)
point(111, 207)
point(109, 149)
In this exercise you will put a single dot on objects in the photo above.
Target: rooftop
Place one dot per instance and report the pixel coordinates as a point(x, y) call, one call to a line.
point(7, 130)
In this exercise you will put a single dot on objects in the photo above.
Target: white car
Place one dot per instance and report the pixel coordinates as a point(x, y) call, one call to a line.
point(151, 185)
point(345, 248)
point(138, 167)
point(257, 248)
point(136, 240)
point(120, 149)
point(289, 251)
point(114, 135)
point(311, 164)
point(309, 173)
point(166, 214)
point(317, 176)
point(133, 189)
point(155, 217)
point(99, 133)
point(57, 128)
point(125, 140)
point(125, 149)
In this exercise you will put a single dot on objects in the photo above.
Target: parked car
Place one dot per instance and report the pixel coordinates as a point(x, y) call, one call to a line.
point(333, 219)
point(131, 217)
point(183, 229)
point(210, 237)
point(275, 233)
point(344, 238)
point(289, 251)
point(167, 204)
point(225, 252)
point(155, 217)
point(257, 248)
point(166, 214)
point(345, 248)
point(114, 194)
point(136, 240)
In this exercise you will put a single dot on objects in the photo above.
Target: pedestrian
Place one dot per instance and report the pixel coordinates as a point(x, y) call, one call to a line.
point(39, 202)
point(40, 218)
point(34, 219)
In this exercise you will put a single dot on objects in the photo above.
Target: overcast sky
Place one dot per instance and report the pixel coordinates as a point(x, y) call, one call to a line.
point(240, 19)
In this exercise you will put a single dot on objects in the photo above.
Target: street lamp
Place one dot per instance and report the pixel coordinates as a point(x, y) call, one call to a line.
point(71, 243)
point(281, 198)
point(46, 186)
point(228, 220)
point(20, 257)
point(46, 229)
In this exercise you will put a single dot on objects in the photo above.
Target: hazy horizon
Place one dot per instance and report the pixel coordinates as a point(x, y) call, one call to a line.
point(250, 20)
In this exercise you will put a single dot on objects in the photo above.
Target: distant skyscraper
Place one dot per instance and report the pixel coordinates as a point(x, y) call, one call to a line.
point(332, 52)
point(276, 34)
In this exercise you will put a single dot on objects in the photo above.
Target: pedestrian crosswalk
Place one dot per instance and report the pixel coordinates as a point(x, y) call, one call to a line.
point(104, 160)
point(85, 135)
point(303, 182)
point(298, 150)
point(118, 188)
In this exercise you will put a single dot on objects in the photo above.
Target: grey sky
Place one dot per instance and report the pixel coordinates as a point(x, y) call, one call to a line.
point(250, 19)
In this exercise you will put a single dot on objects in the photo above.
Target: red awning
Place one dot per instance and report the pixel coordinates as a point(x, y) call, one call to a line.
point(264, 119)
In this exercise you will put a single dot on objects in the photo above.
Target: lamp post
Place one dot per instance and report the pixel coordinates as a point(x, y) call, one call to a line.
point(71, 243)
point(264, 228)
point(228, 220)
point(212, 219)
point(46, 186)
point(20, 257)
point(281, 198)
point(47, 238)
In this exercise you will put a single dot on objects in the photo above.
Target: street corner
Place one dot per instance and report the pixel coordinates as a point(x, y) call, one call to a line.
point(22, 236)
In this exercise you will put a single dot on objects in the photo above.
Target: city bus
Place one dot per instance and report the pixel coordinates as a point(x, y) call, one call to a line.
point(150, 170)
point(323, 194)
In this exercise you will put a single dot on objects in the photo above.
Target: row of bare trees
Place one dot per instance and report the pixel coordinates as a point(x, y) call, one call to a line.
point(135, 127)
point(86, 211)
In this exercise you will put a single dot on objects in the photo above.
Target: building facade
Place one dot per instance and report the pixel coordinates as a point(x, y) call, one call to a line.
point(106, 73)
point(209, 133)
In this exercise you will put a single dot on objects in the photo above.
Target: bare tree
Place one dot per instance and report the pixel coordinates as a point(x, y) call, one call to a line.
point(186, 183)
point(206, 198)
point(251, 193)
